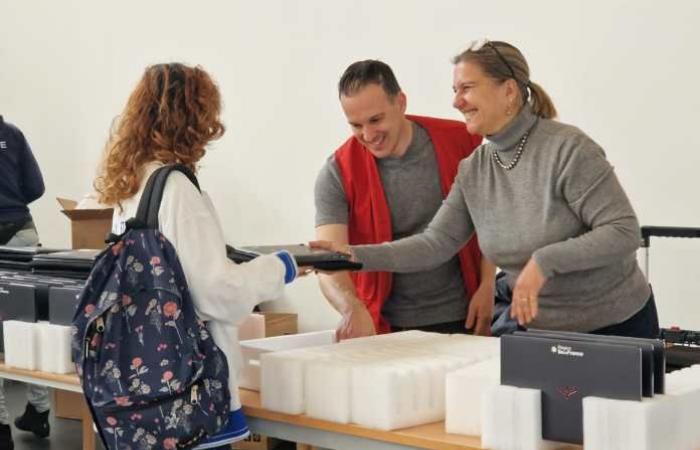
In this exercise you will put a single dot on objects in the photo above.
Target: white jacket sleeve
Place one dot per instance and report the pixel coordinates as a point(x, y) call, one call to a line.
point(221, 290)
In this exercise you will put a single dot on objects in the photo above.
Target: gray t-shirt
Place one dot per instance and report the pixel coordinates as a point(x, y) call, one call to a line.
point(412, 189)
point(561, 205)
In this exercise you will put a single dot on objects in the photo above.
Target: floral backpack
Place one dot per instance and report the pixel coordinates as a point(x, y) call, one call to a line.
point(151, 372)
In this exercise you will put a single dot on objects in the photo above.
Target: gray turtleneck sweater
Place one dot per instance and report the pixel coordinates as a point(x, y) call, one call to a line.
point(561, 204)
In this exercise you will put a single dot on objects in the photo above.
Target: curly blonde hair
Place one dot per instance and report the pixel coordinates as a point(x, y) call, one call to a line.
point(170, 117)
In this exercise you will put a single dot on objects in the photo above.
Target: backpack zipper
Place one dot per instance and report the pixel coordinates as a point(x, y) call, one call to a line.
point(99, 328)
point(194, 396)
point(194, 400)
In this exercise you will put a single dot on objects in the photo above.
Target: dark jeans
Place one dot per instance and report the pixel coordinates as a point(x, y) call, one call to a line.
point(445, 327)
point(9, 229)
point(644, 324)
point(502, 323)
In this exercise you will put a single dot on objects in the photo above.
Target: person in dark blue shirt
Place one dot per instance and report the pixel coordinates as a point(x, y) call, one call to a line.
point(20, 184)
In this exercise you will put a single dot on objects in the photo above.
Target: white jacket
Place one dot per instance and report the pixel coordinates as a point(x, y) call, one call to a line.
point(224, 293)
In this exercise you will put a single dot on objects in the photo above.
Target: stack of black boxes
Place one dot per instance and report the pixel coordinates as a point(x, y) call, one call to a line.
point(566, 367)
point(38, 284)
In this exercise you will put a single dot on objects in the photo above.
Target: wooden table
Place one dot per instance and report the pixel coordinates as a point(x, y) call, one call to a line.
point(68, 382)
point(297, 428)
point(301, 428)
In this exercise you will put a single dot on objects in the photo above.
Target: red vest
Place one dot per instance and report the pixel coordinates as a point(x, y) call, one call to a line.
point(369, 220)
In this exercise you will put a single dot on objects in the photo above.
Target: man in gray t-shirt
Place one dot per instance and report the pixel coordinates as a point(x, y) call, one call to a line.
point(410, 172)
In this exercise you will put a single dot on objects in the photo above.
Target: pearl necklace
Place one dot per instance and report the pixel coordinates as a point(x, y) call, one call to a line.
point(516, 158)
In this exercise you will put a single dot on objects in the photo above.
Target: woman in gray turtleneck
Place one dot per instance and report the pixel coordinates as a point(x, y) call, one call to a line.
point(545, 203)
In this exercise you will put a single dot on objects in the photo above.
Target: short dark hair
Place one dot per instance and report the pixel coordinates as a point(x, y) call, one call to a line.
point(361, 73)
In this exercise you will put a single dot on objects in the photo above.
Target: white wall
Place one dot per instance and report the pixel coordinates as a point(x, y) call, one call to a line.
point(624, 71)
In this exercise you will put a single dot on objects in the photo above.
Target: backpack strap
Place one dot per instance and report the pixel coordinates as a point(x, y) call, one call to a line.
point(149, 205)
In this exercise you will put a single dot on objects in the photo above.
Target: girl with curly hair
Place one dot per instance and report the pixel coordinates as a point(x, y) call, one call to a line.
point(170, 117)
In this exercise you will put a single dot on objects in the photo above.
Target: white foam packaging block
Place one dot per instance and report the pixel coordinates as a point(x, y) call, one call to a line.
point(252, 350)
point(21, 340)
point(327, 389)
point(402, 393)
point(512, 419)
point(662, 422)
point(620, 424)
point(475, 348)
point(282, 386)
point(684, 380)
point(38, 346)
point(282, 379)
point(54, 348)
point(386, 381)
point(464, 391)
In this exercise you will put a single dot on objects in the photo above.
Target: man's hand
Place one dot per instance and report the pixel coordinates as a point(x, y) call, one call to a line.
point(526, 293)
point(356, 322)
point(480, 312)
point(338, 288)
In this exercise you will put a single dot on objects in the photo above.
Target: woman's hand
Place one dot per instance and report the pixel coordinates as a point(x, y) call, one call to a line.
point(333, 247)
point(303, 271)
point(526, 293)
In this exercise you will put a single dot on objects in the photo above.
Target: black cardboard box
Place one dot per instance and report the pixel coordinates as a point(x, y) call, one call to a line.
point(62, 304)
point(566, 371)
point(17, 302)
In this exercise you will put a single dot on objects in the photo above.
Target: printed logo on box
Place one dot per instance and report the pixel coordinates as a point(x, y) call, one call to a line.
point(567, 391)
point(565, 350)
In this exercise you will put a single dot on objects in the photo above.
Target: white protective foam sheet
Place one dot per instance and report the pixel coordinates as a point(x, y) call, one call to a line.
point(54, 348)
point(464, 390)
point(387, 381)
point(252, 351)
point(659, 423)
point(512, 419)
point(21, 340)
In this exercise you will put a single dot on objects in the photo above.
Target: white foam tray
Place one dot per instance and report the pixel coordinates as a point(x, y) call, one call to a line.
point(252, 349)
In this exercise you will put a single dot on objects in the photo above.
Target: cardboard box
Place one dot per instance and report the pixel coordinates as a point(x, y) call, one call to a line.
point(68, 405)
point(89, 227)
point(278, 324)
point(256, 442)
point(267, 324)
point(253, 327)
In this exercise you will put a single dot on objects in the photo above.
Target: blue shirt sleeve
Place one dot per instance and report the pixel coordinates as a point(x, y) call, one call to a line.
point(32, 182)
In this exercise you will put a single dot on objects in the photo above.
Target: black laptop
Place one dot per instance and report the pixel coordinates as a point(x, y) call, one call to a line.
point(303, 255)
point(24, 254)
point(74, 264)
point(566, 371)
